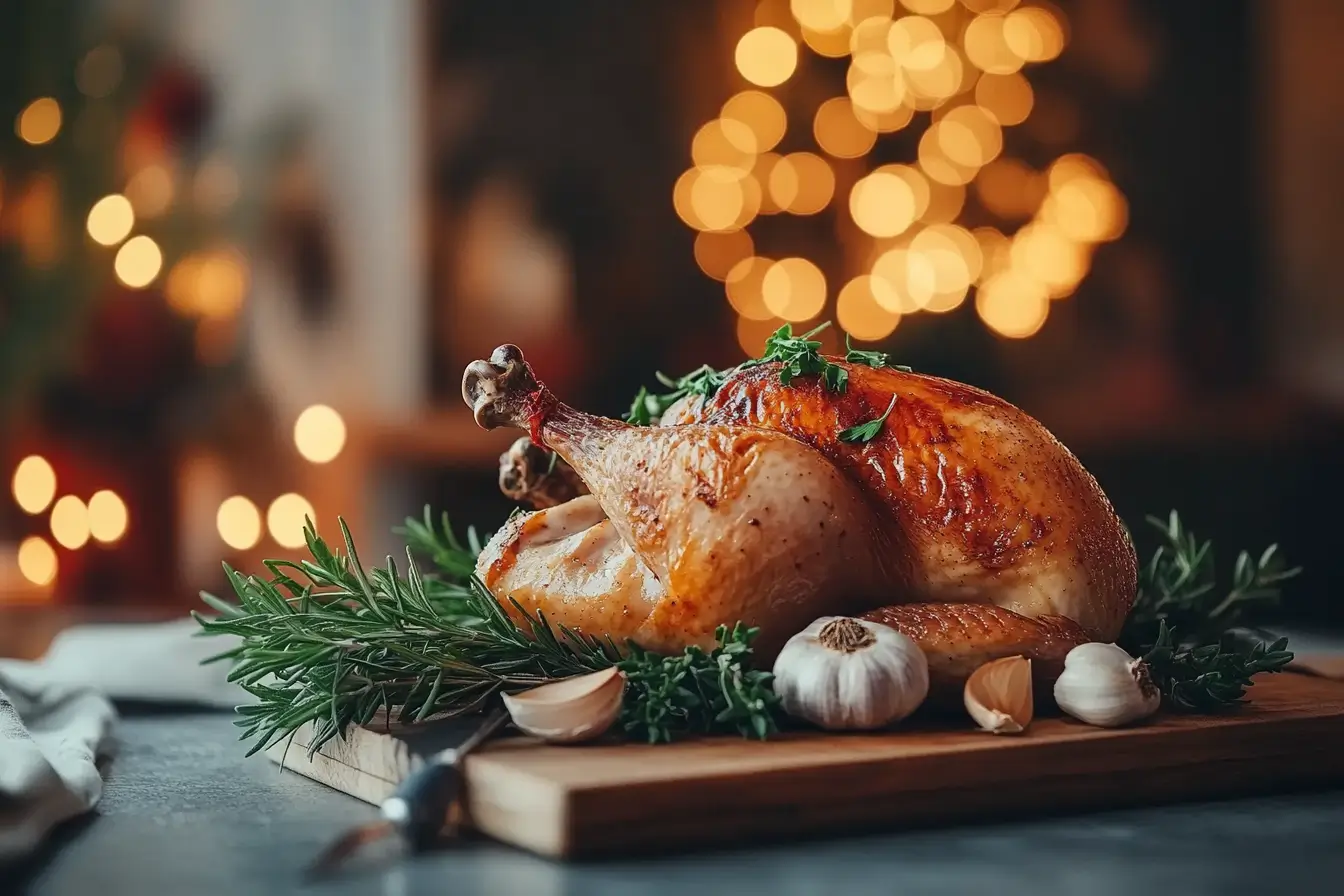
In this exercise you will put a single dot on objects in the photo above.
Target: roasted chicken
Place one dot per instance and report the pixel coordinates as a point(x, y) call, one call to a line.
point(963, 522)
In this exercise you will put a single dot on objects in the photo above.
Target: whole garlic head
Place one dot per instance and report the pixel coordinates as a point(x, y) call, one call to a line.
point(850, 674)
point(1105, 686)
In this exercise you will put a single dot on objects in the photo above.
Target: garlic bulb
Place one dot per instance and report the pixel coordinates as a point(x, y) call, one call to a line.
point(841, 673)
point(998, 695)
point(1102, 685)
point(569, 711)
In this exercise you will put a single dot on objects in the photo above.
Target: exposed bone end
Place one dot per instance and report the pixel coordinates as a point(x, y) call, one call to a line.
point(501, 391)
point(529, 474)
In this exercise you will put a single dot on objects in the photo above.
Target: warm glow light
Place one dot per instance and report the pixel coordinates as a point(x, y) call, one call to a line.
point(969, 136)
point(70, 522)
point(239, 523)
point(37, 560)
point(717, 198)
point(875, 83)
point(1048, 256)
point(1006, 97)
point(956, 260)
point(903, 281)
point(987, 47)
point(930, 88)
point(319, 434)
point(1012, 304)
point(928, 7)
point(34, 484)
point(945, 203)
point(743, 286)
point(285, 519)
point(150, 191)
point(111, 219)
point(831, 44)
point(883, 204)
point(794, 289)
point(99, 72)
point(216, 186)
point(138, 262)
point(916, 43)
point(108, 516)
point(751, 334)
point(40, 122)
point(814, 178)
point(839, 132)
point(918, 184)
point(935, 163)
point(859, 313)
point(995, 249)
point(821, 15)
point(1009, 188)
point(870, 35)
point(885, 122)
point(983, 6)
point(861, 11)
point(1074, 166)
point(1087, 210)
point(1034, 34)
point(718, 253)
point(724, 142)
point(761, 113)
point(763, 171)
point(766, 56)
point(221, 284)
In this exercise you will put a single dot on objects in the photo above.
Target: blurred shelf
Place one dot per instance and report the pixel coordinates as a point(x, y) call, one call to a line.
point(449, 438)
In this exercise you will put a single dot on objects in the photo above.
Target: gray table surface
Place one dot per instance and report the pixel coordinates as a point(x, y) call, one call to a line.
point(184, 813)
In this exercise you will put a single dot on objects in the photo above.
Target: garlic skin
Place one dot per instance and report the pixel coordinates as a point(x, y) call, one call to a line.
point(998, 695)
point(570, 711)
point(846, 674)
point(1103, 685)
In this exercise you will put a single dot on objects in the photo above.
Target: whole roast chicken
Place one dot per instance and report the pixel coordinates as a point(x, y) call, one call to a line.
point(963, 522)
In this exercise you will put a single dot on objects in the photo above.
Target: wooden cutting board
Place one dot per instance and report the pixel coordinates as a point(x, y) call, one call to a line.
point(625, 798)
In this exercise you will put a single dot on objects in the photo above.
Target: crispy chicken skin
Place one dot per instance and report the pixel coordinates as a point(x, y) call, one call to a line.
point(963, 523)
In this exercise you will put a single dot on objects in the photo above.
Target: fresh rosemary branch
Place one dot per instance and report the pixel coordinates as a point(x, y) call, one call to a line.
point(1187, 630)
point(327, 641)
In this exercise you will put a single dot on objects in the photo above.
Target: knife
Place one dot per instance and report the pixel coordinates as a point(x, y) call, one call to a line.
point(416, 810)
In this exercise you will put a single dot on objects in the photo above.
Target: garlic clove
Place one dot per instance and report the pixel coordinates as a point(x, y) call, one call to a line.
point(1103, 685)
point(569, 711)
point(998, 695)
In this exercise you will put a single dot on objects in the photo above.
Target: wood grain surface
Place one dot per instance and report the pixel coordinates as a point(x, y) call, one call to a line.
point(627, 798)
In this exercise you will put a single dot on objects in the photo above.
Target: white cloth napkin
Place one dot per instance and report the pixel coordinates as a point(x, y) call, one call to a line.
point(57, 720)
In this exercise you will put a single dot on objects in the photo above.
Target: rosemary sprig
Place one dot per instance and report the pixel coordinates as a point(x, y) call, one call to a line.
point(329, 642)
point(1211, 676)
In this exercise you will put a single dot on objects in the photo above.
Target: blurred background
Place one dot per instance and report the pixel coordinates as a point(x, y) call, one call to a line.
point(247, 247)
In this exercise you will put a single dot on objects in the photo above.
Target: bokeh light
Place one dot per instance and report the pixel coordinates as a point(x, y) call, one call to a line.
point(987, 47)
point(1034, 34)
point(995, 251)
point(138, 262)
point(99, 72)
point(875, 83)
point(1012, 304)
point(839, 132)
point(743, 286)
point(108, 516)
point(945, 203)
point(1008, 188)
point(319, 434)
point(916, 43)
point(34, 484)
point(821, 15)
point(928, 7)
point(831, 44)
point(70, 522)
point(766, 56)
point(1006, 97)
point(794, 289)
point(718, 253)
point(751, 334)
point(110, 220)
point(883, 204)
point(239, 523)
point(903, 282)
point(39, 122)
point(936, 164)
point(761, 113)
point(37, 560)
point(859, 313)
point(969, 136)
point(814, 179)
point(286, 517)
point(724, 142)
point(150, 191)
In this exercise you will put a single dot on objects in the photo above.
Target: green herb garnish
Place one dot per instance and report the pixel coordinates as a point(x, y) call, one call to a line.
point(1211, 676)
point(871, 358)
point(866, 432)
point(800, 356)
point(327, 642)
point(649, 407)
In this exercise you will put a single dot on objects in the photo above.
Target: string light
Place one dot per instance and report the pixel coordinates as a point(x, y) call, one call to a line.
point(1034, 34)
point(761, 113)
point(37, 561)
point(110, 220)
point(794, 289)
point(70, 523)
point(814, 178)
point(839, 132)
point(39, 122)
point(34, 484)
point(286, 518)
point(821, 15)
point(319, 434)
point(1012, 304)
point(138, 262)
point(987, 47)
point(239, 523)
point(108, 517)
point(883, 204)
point(766, 56)
point(724, 142)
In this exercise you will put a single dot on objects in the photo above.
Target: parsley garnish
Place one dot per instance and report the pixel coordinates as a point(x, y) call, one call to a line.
point(648, 407)
point(866, 432)
point(871, 358)
point(801, 356)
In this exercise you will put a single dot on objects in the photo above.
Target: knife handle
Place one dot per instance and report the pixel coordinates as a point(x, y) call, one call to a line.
point(419, 806)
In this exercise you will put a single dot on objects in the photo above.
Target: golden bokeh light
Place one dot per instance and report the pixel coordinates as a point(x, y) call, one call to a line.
point(987, 47)
point(815, 182)
point(859, 313)
point(782, 184)
point(936, 164)
point(1006, 97)
point(138, 262)
point(766, 56)
point(885, 122)
point(718, 253)
point(70, 522)
point(964, 259)
point(1087, 210)
point(99, 72)
point(221, 284)
point(319, 434)
point(761, 113)
point(724, 142)
point(1046, 255)
point(34, 484)
point(918, 184)
point(916, 43)
point(928, 7)
point(821, 15)
point(743, 286)
point(990, 6)
point(903, 281)
point(108, 516)
point(794, 289)
point(286, 517)
point(751, 334)
point(1074, 166)
point(150, 191)
point(995, 251)
point(239, 523)
point(945, 203)
point(870, 35)
point(831, 44)
point(839, 132)
point(883, 204)
point(875, 83)
point(862, 10)
point(930, 88)
point(969, 136)
point(717, 198)
point(1034, 34)
point(1012, 304)
point(39, 122)
point(1009, 188)
point(786, 188)
point(37, 560)
point(110, 220)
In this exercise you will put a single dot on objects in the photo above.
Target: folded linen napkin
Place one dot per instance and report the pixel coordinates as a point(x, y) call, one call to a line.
point(57, 718)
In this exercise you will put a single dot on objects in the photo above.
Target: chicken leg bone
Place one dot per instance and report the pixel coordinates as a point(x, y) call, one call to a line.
point(531, 475)
point(504, 391)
